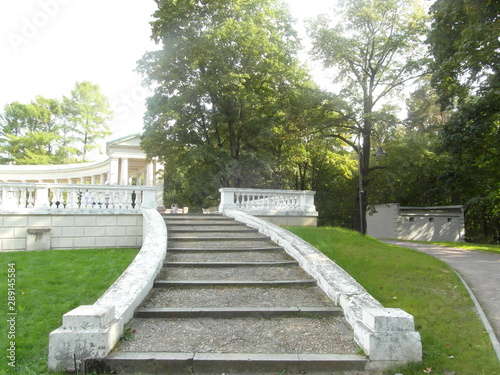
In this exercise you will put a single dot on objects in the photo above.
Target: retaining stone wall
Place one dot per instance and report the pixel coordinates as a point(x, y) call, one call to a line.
point(29, 232)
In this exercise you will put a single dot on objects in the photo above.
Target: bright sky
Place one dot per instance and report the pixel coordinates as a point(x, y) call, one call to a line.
point(49, 45)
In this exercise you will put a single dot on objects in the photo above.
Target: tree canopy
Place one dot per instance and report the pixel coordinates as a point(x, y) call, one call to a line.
point(375, 48)
point(52, 131)
point(224, 81)
point(466, 74)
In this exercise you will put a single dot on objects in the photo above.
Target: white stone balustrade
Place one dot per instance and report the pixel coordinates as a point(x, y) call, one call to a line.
point(268, 201)
point(69, 198)
point(282, 207)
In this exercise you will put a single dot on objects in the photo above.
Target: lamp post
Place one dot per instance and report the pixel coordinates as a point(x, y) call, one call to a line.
point(379, 153)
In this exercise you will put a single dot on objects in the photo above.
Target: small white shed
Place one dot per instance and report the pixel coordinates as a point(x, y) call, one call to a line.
point(441, 223)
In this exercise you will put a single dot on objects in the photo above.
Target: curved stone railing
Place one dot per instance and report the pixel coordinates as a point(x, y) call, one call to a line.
point(91, 331)
point(387, 335)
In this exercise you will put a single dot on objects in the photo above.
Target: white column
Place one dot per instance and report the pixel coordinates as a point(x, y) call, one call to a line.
point(113, 172)
point(158, 177)
point(150, 174)
point(124, 172)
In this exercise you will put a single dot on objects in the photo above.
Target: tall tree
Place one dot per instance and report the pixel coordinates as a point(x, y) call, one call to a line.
point(220, 80)
point(30, 133)
point(87, 110)
point(51, 131)
point(375, 47)
point(466, 74)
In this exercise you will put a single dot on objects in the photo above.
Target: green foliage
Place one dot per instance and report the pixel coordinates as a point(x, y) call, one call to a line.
point(50, 131)
point(453, 337)
point(464, 43)
point(375, 48)
point(472, 140)
point(466, 75)
point(88, 112)
point(229, 92)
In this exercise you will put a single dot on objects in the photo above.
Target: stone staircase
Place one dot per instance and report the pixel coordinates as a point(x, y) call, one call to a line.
point(228, 301)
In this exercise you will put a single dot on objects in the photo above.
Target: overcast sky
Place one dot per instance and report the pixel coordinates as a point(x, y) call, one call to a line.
point(49, 45)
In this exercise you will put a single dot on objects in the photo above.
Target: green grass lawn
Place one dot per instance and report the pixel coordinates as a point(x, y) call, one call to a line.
point(453, 337)
point(49, 284)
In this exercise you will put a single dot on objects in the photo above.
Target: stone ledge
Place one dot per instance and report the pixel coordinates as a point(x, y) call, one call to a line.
point(386, 335)
point(92, 331)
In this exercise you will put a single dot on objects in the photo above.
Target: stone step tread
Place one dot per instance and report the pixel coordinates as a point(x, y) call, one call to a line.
point(196, 217)
point(238, 296)
point(253, 273)
point(236, 312)
point(214, 264)
point(218, 363)
point(219, 245)
point(225, 250)
point(203, 223)
point(245, 283)
point(215, 236)
point(328, 334)
point(234, 256)
point(215, 229)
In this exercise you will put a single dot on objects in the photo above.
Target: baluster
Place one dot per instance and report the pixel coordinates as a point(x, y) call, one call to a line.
point(23, 201)
point(73, 198)
point(93, 200)
point(108, 203)
point(114, 199)
point(99, 199)
point(13, 200)
point(31, 200)
point(86, 200)
point(123, 200)
point(56, 199)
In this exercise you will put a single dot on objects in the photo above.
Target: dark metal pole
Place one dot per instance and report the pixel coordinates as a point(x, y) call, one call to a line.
point(361, 192)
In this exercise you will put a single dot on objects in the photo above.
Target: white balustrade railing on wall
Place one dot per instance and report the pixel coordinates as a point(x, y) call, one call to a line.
point(21, 197)
point(268, 201)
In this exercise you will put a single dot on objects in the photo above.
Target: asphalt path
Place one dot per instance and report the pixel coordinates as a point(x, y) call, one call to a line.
point(481, 272)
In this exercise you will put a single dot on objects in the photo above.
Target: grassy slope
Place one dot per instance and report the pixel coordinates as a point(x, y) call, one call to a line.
point(49, 284)
point(452, 335)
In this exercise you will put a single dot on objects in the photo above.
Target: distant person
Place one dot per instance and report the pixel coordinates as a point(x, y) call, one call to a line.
point(175, 208)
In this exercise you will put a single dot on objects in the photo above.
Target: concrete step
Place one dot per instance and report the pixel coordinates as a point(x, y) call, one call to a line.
point(228, 283)
point(253, 273)
point(208, 228)
point(236, 312)
point(227, 256)
point(230, 301)
point(241, 295)
point(217, 236)
point(207, 249)
point(302, 334)
point(228, 363)
point(179, 218)
point(215, 264)
point(223, 244)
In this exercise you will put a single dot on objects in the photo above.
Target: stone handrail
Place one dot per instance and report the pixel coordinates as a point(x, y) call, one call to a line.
point(386, 335)
point(91, 331)
point(268, 201)
point(69, 198)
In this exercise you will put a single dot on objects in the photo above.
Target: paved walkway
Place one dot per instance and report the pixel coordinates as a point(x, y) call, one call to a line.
point(480, 270)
